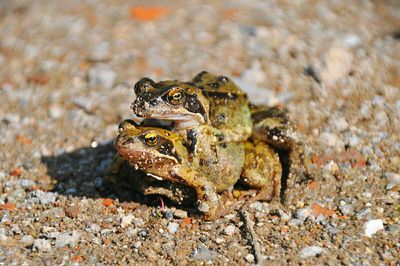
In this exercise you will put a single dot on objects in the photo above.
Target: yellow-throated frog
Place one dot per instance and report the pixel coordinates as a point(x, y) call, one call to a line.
point(162, 155)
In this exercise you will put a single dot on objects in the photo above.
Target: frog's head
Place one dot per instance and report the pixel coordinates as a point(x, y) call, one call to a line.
point(180, 102)
point(214, 82)
point(153, 150)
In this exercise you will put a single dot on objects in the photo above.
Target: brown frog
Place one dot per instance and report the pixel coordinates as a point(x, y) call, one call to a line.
point(218, 103)
point(162, 154)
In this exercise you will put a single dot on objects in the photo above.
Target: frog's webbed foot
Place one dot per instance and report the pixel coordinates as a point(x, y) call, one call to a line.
point(273, 126)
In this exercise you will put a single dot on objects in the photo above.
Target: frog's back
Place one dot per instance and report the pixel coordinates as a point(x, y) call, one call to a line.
point(229, 106)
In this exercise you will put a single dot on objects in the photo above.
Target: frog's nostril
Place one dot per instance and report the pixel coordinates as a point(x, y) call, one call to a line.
point(153, 102)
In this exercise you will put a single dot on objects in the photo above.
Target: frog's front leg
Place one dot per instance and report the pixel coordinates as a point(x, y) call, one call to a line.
point(262, 169)
point(206, 192)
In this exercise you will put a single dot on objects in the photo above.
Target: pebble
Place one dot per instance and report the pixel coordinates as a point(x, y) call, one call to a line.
point(102, 75)
point(127, 220)
point(138, 222)
point(3, 234)
point(340, 124)
point(351, 40)
point(6, 218)
point(27, 183)
point(180, 214)
point(365, 111)
point(67, 239)
point(137, 244)
point(44, 197)
point(219, 240)
point(346, 209)
point(311, 251)
point(303, 214)
point(331, 140)
point(72, 211)
point(365, 213)
point(203, 253)
point(331, 167)
point(173, 227)
point(230, 230)
point(337, 63)
point(27, 240)
point(381, 118)
point(249, 258)
point(393, 181)
point(56, 112)
point(373, 226)
point(42, 245)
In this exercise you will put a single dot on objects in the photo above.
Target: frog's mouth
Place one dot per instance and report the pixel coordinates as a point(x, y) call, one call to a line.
point(179, 121)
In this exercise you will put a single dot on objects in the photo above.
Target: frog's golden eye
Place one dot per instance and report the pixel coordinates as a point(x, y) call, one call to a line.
point(151, 139)
point(176, 96)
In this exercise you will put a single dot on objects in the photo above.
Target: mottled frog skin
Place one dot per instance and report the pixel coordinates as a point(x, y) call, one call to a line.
point(213, 101)
point(162, 154)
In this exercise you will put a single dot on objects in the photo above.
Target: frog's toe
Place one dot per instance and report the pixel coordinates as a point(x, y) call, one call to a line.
point(273, 126)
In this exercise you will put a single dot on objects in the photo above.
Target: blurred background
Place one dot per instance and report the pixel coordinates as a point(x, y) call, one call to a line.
point(75, 59)
point(67, 70)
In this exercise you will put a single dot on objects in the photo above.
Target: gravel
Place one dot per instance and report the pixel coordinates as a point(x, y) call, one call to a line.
point(373, 226)
point(311, 251)
point(66, 80)
point(42, 245)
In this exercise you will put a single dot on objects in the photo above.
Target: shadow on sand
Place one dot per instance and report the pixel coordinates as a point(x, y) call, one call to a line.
point(82, 173)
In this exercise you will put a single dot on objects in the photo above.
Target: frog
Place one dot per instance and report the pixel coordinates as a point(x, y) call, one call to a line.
point(207, 100)
point(217, 102)
point(162, 154)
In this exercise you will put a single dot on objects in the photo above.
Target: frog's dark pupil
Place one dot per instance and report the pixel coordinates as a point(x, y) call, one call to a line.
point(177, 96)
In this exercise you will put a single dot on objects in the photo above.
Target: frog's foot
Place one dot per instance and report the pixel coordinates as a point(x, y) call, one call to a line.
point(262, 169)
point(208, 202)
point(273, 126)
point(175, 192)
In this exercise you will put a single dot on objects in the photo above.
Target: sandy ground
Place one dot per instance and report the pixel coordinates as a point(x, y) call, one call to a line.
point(66, 70)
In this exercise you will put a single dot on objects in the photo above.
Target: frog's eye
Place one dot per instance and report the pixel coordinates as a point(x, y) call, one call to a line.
point(176, 96)
point(151, 139)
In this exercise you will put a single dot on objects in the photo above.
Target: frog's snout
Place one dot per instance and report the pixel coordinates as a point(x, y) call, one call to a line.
point(123, 140)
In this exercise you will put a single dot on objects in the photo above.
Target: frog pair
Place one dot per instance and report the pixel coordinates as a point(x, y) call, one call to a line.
point(217, 138)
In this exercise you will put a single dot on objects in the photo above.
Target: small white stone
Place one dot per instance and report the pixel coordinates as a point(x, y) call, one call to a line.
point(331, 140)
point(337, 63)
point(55, 111)
point(219, 240)
point(127, 220)
point(340, 124)
point(137, 244)
point(373, 226)
point(230, 230)
point(173, 227)
point(42, 245)
point(311, 251)
point(393, 181)
point(180, 214)
point(331, 167)
point(27, 240)
point(249, 258)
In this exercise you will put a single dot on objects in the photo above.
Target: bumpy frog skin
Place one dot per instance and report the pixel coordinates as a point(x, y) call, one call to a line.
point(209, 100)
point(214, 101)
point(162, 154)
